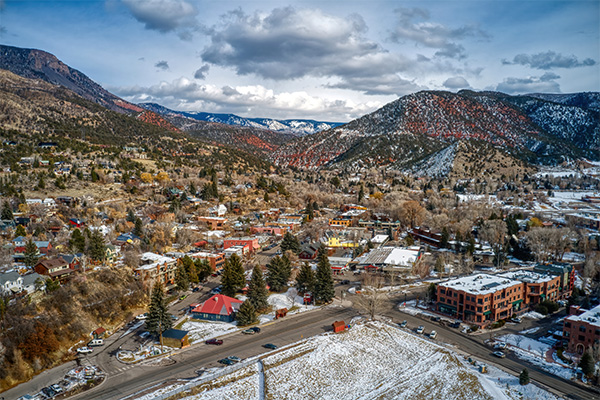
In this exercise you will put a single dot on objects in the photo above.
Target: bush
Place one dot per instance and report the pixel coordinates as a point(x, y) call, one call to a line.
point(541, 309)
point(498, 324)
point(473, 328)
point(550, 305)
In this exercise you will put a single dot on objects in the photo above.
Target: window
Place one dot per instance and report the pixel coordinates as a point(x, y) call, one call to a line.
point(581, 338)
point(582, 328)
point(455, 294)
point(480, 301)
point(479, 309)
point(597, 333)
point(567, 324)
point(442, 299)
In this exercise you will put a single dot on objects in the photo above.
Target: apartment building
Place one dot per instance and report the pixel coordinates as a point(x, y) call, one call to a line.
point(581, 329)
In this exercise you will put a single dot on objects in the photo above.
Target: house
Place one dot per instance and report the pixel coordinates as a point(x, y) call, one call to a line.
point(219, 210)
point(241, 251)
point(581, 329)
point(75, 261)
point(214, 223)
point(99, 333)
point(76, 223)
point(217, 308)
point(43, 246)
point(175, 338)
point(251, 242)
point(11, 283)
point(55, 268)
point(390, 258)
point(32, 281)
point(309, 251)
point(128, 238)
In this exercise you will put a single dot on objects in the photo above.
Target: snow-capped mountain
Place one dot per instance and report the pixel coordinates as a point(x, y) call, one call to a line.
point(295, 126)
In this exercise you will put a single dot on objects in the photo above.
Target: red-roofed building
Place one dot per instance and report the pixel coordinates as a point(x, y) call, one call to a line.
point(217, 308)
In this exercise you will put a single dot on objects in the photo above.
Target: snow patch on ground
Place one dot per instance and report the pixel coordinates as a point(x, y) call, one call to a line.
point(199, 331)
point(533, 315)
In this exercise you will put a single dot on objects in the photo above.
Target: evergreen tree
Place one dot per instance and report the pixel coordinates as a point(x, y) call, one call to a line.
point(31, 253)
point(77, 241)
point(290, 242)
point(324, 290)
point(41, 183)
point(305, 281)
point(158, 319)
point(445, 237)
point(181, 278)
point(130, 216)
point(138, 230)
point(192, 189)
point(190, 268)
point(20, 231)
point(524, 377)
point(51, 285)
point(257, 290)
point(266, 197)
point(246, 314)
point(279, 273)
point(586, 363)
point(96, 248)
point(203, 269)
point(233, 278)
point(7, 212)
point(361, 194)
point(310, 211)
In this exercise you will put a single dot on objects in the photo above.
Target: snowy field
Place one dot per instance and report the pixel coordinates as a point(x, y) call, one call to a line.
point(371, 360)
point(199, 331)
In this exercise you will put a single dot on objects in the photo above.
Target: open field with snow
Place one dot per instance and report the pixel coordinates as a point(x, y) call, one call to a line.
point(371, 360)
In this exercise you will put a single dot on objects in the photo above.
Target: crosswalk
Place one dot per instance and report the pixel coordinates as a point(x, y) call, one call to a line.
point(120, 370)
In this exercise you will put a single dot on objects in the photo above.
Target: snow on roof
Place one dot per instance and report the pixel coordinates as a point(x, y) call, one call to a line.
point(153, 259)
point(390, 256)
point(527, 276)
point(380, 238)
point(480, 284)
point(592, 317)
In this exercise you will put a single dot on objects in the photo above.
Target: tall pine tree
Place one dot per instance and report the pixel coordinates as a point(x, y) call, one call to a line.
point(96, 246)
point(77, 241)
point(233, 278)
point(7, 212)
point(158, 319)
point(524, 377)
point(246, 315)
point(279, 273)
point(257, 290)
point(181, 278)
point(203, 269)
point(324, 290)
point(305, 281)
point(290, 242)
point(31, 253)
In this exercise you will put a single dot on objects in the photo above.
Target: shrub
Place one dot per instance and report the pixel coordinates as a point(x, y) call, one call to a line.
point(541, 309)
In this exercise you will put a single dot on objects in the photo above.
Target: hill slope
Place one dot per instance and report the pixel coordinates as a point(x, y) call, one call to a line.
point(417, 126)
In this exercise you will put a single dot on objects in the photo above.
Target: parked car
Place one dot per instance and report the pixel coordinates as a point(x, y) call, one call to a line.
point(433, 335)
point(499, 354)
point(142, 317)
point(56, 388)
point(215, 341)
point(249, 331)
point(174, 317)
point(183, 296)
point(256, 329)
point(345, 282)
point(403, 324)
point(435, 318)
point(84, 350)
point(455, 324)
point(226, 361)
point(96, 342)
point(196, 289)
point(517, 320)
point(48, 392)
point(216, 290)
point(500, 346)
point(234, 359)
point(420, 329)
point(270, 346)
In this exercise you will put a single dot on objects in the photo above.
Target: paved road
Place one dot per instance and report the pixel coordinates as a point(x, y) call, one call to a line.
point(474, 346)
point(125, 382)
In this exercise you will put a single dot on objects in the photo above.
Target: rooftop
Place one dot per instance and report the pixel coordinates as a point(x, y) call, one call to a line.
point(527, 276)
point(592, 317)
point(480, 283)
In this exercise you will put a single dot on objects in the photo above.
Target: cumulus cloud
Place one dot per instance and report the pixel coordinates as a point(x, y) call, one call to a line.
point(549, 60)
point(431, 34)
point(201, 72)
point(289, 44)
point(184, 94)
point(162, 15)
point(162, 65)
point(533, 84)
point(456, 82)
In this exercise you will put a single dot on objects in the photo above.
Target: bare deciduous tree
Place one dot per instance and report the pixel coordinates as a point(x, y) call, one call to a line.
point(371, 297)
point(494, 232)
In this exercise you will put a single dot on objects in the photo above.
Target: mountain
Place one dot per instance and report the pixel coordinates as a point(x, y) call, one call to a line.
point(247, 138)
point(419, 126)
point(38, 64)
point(294, 126)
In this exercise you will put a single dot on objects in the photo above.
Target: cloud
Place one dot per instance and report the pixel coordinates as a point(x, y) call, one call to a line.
point(184, 94)
point(549, 60)
point(456, 82)
point(289, 44)
point(433, 35)
point(533, 84)
point(162, 15)
point(201, 72)
point(162, 65)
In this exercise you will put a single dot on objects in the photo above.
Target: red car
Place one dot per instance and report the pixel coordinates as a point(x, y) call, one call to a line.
point(214, 341)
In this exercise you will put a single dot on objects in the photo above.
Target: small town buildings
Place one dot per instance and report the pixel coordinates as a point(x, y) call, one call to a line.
point(480, 299)
point(581, 329)
point(248, 241)
point(537, 287)
point(390, 259)
point(309, 251)
point(156, 267)
point(11, 283)
point(215, 260)
point(213, 223)
point(217, 308)
point(219, 210)
point(56, 268)
point(241, 251)
point(31, 282)
point(175, 338)
point(566, 274)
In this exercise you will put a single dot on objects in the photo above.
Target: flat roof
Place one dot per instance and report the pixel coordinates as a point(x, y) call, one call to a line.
point(592, 317)
point(527, 276)
point(480, 283)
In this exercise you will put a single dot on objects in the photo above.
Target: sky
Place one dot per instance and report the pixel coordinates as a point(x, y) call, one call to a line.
point(329, 60)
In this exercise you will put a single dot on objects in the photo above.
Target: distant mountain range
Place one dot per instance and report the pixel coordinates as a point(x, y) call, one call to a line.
point(294, 126)
point(425, 126)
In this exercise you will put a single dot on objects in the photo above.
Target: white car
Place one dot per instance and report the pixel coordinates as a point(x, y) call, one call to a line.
point(433, 335)
point(420, 329)
point(500, 346)
point(85, 350)
point(142, 317)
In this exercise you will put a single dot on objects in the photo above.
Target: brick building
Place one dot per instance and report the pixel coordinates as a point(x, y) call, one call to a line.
point(251, 242)
point(581, 329)
point(215, 260)
point(537, 287)
point(566, 274)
